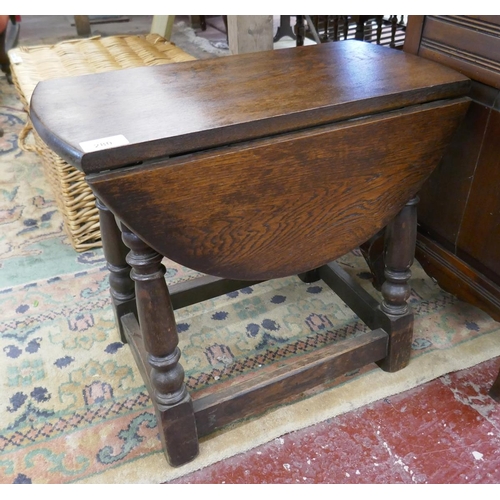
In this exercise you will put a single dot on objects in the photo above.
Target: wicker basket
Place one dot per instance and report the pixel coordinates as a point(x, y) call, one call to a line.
point(71, 58)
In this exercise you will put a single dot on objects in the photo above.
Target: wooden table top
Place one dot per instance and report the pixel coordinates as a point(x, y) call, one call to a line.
point(159, 111)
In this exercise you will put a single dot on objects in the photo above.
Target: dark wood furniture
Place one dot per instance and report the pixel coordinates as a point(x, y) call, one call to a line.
point(495, 389)
point(270, 178)
point(9, 36)
point(382, 30)
point(459, 213)
point(284, 29)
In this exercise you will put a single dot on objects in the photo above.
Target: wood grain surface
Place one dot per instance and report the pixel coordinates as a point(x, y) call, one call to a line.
point(459, 209)
point(282, 206)
point(176, 108)
point(469, 44)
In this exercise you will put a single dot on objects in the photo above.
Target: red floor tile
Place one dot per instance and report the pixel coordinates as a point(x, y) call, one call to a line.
point(439, 438)
point(471, 387)
point(446, 431)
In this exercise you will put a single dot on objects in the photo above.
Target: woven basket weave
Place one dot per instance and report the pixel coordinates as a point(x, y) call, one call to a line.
point(31, 65)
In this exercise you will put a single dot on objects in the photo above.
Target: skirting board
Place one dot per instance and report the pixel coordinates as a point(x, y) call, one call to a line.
point(457, 277)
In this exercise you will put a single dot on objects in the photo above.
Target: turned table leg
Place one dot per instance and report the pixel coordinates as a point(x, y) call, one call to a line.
point(172, 402)
point(310, 276)
point(115, 252)
point(373, 253)
point(395, 315)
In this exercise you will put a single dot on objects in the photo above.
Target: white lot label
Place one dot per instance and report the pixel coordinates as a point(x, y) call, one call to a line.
point(104, 143)
point(15, 58)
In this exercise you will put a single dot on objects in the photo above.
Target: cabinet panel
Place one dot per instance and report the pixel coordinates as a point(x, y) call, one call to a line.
point(459, 213)
point(444, 196)
point(470, 44)
point(480, 233)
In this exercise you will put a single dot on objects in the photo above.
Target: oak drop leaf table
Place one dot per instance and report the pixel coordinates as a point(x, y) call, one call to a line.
point(249, 168)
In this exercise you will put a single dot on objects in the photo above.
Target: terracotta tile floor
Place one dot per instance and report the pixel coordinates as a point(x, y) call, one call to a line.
point(444, 432)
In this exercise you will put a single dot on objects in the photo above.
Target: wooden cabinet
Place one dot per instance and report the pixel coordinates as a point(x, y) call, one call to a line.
point(459, 211)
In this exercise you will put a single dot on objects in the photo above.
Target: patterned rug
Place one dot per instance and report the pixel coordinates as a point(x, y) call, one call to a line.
point(73, 407)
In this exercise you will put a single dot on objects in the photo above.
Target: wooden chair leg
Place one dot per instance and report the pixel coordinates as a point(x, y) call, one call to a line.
point(82, 24)
point(395, 315)
point(121, 285)
point(172, 402)
point(495, 389)
point(300, 30)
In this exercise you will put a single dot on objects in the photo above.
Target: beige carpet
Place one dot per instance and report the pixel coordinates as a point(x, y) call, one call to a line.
point(457, 350)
